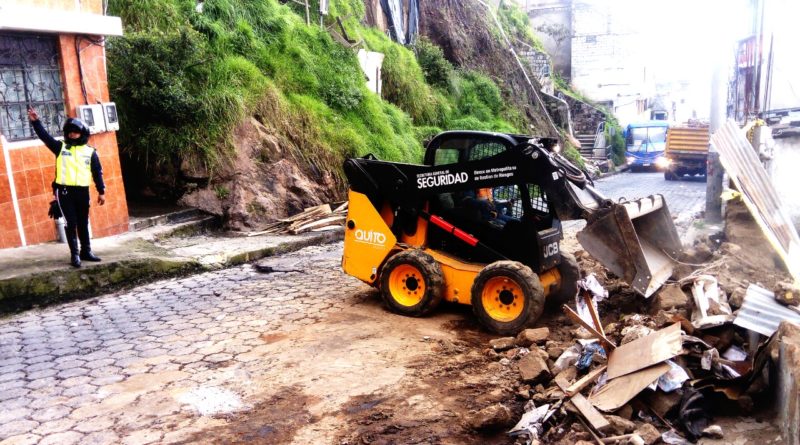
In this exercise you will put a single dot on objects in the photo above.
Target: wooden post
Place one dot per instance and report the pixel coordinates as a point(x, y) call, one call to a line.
point(308, 14)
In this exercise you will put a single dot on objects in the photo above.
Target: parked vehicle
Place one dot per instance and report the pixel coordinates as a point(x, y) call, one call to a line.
point(432, 232)
point(686, 152)
point(644, 144)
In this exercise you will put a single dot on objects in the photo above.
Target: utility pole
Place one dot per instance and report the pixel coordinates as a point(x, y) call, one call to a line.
point(714, 171)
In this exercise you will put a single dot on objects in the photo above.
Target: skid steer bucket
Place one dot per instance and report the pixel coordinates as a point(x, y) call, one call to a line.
point(636, 240)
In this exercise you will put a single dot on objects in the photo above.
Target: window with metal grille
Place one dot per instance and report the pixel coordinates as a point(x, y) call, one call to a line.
point(29, 77)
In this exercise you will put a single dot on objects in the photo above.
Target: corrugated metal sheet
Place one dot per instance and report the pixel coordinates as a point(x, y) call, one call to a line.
point(745, 170)
point(687, 139)
point(761, 313)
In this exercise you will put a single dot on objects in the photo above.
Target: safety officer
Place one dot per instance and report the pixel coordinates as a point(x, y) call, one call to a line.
point(76, 165)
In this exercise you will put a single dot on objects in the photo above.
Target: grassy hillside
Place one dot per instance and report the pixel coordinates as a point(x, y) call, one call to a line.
point(183, 79)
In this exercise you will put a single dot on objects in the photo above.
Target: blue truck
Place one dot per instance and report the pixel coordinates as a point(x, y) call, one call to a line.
point(644, 145)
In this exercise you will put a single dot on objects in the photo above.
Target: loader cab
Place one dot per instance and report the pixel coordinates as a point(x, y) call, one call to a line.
point(514, 218)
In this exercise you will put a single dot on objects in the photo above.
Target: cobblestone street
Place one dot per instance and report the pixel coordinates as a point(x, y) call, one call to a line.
point(164, 362)
point(685, 198)
point(74, 373)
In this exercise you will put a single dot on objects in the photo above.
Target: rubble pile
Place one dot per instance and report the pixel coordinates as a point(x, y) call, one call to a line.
point(645, 371)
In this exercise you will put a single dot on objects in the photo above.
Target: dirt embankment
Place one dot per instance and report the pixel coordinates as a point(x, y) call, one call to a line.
point(262, 182)
point(470, 39)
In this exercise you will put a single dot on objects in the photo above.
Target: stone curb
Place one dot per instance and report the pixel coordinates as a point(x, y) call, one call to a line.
point(56, 286)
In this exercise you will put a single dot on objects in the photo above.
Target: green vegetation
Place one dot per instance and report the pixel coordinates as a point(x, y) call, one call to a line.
point(615, 139)
point(516, 24)
point(184, 79)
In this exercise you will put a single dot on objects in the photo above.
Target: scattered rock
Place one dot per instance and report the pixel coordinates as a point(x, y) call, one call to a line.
point(787, 294)
point(662, 402)
point(492, 417)
point(582, 333)
point(668, 297)
point(636, 332)
point(730, 248)
point(524, 392)
point(737, 297)
point(619, 425)
point(648, 433)
point(554, 351)
point(626, 412)
point(501, 344)
point(611, 329)
point(698, 254)
point(532, 368)
point(532, 336)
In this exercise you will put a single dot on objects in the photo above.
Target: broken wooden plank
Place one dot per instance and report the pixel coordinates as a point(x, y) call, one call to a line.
point(621, 390)
point(323, 209)
point(319, 223)
point(646, 351)
point(584, 381)
point(587, 297)
point(342, 208)
point(607, 344)
point(595, 419)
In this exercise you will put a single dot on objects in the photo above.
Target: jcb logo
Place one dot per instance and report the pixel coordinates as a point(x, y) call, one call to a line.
point(551, 249)
point(370, 237)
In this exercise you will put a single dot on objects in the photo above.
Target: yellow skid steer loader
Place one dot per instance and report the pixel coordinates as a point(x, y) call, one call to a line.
point(479, 223)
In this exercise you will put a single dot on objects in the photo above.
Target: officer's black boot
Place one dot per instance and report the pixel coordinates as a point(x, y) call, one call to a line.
point(88, 255)
point(72, 240)
point(86, 249)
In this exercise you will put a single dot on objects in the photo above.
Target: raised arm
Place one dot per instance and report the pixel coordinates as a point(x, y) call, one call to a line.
point(49, 141)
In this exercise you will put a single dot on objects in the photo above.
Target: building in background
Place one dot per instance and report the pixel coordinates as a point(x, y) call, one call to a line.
point(52, 57)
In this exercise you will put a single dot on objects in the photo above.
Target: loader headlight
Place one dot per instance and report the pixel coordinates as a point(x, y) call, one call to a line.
point(556, 148)
point(662, 162)
point(630, 159)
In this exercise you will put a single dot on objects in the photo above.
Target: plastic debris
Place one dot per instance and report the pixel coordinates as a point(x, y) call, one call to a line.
point(585, 359)
point(532, 422)
point(693, 413)
point(673, 379)
point(568, 358)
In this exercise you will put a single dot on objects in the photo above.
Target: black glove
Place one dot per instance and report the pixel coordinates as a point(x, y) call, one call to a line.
point(55, 210)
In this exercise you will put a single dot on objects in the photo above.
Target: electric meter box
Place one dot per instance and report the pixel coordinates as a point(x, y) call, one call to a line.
point(92, 117)
point(110, 115)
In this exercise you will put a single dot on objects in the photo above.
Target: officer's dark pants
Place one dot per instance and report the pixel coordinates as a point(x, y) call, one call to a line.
point(74, 202)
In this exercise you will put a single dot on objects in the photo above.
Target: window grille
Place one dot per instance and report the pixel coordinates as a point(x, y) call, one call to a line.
point(29, 76)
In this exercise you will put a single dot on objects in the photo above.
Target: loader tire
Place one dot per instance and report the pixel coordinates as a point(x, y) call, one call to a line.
point(412, 283)
point(568, 284)
point(669, 175)
point(507, 297)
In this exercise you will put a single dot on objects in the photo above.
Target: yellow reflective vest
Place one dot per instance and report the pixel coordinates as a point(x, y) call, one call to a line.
point(74, 165)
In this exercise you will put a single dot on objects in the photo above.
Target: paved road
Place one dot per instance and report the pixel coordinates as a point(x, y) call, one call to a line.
point(684, 198)
point(97, 371)
point(130, 367)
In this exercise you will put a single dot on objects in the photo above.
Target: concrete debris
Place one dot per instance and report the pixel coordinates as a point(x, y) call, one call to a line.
point(492, 417)
point(669, 297)
point(533, 368)
point(501, 344)
point(529, 337)
point(648, 433)
point(620, 425)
